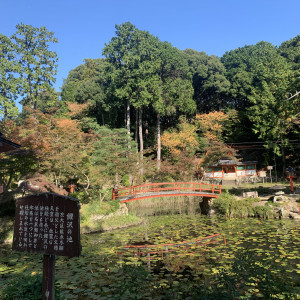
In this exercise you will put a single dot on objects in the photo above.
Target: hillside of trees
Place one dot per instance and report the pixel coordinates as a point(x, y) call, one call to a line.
point(145, 111)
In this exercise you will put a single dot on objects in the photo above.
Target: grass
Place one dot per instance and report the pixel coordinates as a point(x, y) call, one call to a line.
point(116, 222)
point(95, 216)
point(164, 205)
point(98, 208)
point(6, 229)
point(26, 287)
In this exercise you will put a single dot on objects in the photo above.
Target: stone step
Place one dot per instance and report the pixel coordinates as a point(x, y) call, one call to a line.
point(295, 216)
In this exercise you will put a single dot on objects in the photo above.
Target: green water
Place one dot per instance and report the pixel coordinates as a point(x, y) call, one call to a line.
point(260, 259)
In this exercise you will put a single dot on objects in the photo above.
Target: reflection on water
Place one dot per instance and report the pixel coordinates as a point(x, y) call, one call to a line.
point(276, 240)
point(260, 260)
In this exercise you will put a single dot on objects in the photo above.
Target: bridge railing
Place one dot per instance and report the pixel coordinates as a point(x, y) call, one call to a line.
point(164, 188)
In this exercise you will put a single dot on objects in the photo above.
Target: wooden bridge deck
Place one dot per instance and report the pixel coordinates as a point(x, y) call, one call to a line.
point(166, 189)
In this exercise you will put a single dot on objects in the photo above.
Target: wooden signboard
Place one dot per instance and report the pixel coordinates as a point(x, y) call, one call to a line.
point(262, 174)
point(47, 223)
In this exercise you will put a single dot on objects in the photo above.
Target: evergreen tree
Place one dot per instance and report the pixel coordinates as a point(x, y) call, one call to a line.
point(9, 81)
point(209, 81)
point(176, 92)
point(260, 78)
point(112, 153)
point(38, 63)
point(86, 84)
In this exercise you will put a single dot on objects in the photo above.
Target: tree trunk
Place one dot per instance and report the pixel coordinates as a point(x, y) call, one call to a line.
point(6, 186)
point(283, 159)
point(141, 131)
point(136, 131)
point(158, 143)
point(140, 115)
point(5, 112)
point(117, 178)
point(128, 117)
point(103, 122)
point(128, 122)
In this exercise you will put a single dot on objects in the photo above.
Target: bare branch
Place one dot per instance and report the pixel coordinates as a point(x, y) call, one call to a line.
point(293, 96)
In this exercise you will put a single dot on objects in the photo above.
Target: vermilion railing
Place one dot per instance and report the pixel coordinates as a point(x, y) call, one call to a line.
point(165, 189)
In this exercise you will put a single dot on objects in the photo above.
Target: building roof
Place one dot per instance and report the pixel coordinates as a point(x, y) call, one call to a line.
point(226, 162)
point(3, 140)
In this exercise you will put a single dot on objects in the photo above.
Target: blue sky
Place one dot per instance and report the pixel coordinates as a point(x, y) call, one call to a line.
point(213, 26)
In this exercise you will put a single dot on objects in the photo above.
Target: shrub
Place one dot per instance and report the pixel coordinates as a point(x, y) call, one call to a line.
point(264, 212)
point(227, 205)
point(125, 181)
point(81, 196)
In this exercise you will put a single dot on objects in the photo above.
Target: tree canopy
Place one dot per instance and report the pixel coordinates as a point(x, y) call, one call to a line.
point(37, 61)
point(145, 109)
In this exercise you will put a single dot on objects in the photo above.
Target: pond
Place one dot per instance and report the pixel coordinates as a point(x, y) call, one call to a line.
point(241, 259)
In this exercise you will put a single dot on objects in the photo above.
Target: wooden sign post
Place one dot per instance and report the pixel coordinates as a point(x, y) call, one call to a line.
point(47, 223)
point(270, 168)
point(48, 277)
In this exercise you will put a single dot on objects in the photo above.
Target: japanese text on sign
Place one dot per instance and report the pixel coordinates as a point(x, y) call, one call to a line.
point(48, 226)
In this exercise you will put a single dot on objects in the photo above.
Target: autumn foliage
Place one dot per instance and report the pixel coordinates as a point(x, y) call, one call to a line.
point(181, 141)
point(211, 124)
point(61, 149)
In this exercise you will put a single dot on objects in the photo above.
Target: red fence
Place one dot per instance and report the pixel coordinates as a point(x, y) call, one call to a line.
point(153, 190)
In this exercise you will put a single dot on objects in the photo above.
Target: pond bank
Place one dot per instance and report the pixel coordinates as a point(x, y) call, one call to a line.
point(105, 222)
point(123, 216)
point(230, 206)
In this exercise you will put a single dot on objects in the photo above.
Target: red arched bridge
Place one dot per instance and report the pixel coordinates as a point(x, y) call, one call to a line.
point(166, 189)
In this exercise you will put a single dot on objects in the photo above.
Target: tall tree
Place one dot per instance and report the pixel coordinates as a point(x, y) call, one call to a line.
point(209, 81)
point(9, 82)
point(260, 78)
point(291, 51)
point(86, 84)
point(175, 92)
point(211, 125)
point(133, 72)
point(120, 53)
point(37, 61)
point(182, 141)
